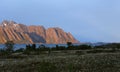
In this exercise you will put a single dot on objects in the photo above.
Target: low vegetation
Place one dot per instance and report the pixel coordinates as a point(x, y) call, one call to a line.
point(83, 58)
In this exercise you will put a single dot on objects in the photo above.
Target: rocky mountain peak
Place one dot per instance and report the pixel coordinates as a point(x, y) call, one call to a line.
point(8, 23)
point(20, 33)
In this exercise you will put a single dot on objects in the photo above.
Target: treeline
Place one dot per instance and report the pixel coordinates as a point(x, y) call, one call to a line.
point(80, 49)
point(69, 46)
point(32, 48)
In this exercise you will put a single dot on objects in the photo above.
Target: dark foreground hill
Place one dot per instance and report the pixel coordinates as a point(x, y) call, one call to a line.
point(20, 33)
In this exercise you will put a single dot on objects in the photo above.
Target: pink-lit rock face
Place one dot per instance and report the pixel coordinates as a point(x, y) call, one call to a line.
point(20, 33)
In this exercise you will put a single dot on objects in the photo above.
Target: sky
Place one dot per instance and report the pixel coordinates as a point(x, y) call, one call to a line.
point(87, 20)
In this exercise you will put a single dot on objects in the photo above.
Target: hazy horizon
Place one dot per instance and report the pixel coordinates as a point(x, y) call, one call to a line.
point(88, 20)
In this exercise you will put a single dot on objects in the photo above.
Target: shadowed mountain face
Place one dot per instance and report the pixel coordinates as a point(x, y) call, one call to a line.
point(20, 33)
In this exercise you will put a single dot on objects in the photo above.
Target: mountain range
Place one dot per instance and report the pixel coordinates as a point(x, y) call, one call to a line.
point(21, 33)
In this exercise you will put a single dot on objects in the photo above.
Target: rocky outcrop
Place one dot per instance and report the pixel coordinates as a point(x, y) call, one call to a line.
point(20, 33)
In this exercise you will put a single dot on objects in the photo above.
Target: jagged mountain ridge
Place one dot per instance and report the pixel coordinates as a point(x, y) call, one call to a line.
point(20, 33)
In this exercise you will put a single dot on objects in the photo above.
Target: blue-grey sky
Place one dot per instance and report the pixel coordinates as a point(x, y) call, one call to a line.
point(87, 20)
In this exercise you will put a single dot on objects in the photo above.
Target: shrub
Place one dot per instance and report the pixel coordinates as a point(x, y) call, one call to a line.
point(9, 46)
